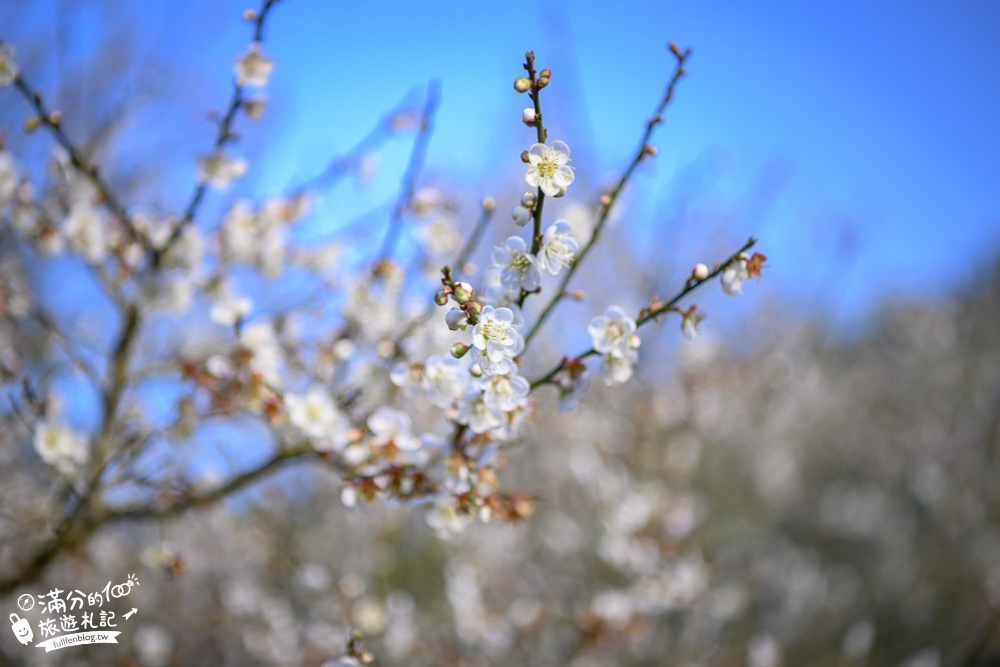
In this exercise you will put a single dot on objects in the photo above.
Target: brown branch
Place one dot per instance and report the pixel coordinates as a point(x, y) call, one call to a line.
point(653, 312)
point(223, 136)
point(417, 156)
point(608, 203)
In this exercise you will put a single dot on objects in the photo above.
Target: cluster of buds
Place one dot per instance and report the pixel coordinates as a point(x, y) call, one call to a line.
point(464, 295)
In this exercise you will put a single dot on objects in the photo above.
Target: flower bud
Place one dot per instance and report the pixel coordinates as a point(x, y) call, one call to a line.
point(545, 73)
point(458, 350)
point(700, 272)
point(522, 85)
point(463, 292)
point(489, 203)
point(649, 149)
point(55, 117)
point(528, 117)
point(455, 319)
point(474, 308)
point(542, 82)
point(441, 298)
point(31, 124)
point(249, 15)
point(528, 200)
point(521, 216)
point(524, 157)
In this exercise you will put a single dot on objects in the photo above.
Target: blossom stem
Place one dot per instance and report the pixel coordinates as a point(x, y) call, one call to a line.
point(612, 197)
point(652, 314)
point(223, 136)
point(416, 163)
point(541, 135)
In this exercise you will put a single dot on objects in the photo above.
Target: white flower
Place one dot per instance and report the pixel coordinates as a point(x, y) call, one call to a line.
point(261, 341)
point(187, 252)
point(8, 177)
point(547, 168)
point(445, 520)
point(229, 308)
point(612, 332)
point(734, 275)
point(446, 379)
point(691, 323)
point(474, 412)
point(496, 335)
point(440, 236)
point(517, 266)
point(60, 447)
point(456, 319)
point(392, 427)
point(87, 231)
point(506, 392)
point(8, 69)
point(617, 369)
point(253, 68)
point(217, 170)
point(558, 248)
point(314, 414)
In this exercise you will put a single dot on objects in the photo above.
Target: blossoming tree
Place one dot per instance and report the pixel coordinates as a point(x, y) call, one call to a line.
point(407, 393)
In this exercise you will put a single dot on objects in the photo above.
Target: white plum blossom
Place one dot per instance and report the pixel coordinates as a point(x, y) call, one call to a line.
point(314, 413)
point(474, 412)
point(217, 170)
point(253, 68)
point(229, 308)
point(86, 229)
point(496, 335)
point(446, 379)
point(261, 341)
point(8, 68)
point(506, 392)
point(8, 177)
point(690, 325)
point(558, 248)
point(547, 168)
point(517, 266)
point(187, 252)
point(392, 427)
point(612, 332)
point(734, 275)
point(618, 369)
point(60, 447)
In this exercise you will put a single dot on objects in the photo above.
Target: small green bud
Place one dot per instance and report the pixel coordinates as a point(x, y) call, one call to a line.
point(458, 350)
point(441, 298)
point(522, 85)
point(474, 308)
point(524, 157)
point(463, 292)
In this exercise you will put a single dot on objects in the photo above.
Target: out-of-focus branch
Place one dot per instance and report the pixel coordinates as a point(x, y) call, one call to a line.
point(52, 120)
point(417, 156)
point(222, 137)
point(340, 165)
point(209, 496)
point(609, 199)
point(653, 312)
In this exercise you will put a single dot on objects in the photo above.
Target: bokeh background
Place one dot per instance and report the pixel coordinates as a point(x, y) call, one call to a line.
point(811, 482)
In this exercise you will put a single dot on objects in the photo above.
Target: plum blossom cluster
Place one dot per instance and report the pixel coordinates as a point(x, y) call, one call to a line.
point(316, 351)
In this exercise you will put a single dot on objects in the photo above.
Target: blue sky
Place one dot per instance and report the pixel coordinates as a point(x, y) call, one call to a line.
point(815, 125)
point(874, 123)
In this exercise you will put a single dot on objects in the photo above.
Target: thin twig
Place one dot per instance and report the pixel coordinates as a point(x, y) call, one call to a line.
point(612, 197)
point(653, 312)
point(222, 137)
point(417, 156)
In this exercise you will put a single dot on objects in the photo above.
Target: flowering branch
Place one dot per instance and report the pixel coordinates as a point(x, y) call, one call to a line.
point(53, 121)
point(651, 313)
point(417, 156)
point(224, 136)
point(609, 199)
